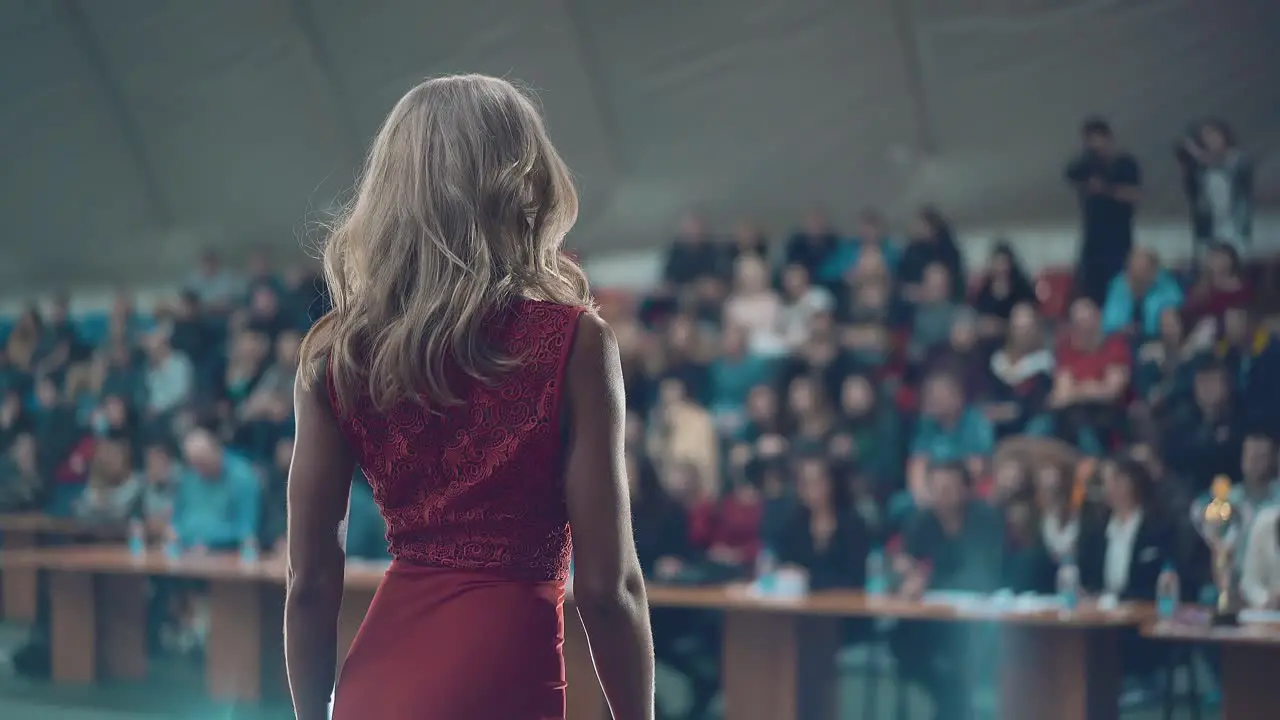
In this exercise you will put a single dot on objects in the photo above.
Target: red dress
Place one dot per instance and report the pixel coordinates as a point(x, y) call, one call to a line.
point(468, 623)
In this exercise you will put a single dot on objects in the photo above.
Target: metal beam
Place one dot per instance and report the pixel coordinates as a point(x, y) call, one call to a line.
point(94, 57)
point(906, 20)
point(321, 57)
point(589, 63)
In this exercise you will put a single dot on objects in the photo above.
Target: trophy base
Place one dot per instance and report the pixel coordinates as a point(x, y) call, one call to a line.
point(1225, 618)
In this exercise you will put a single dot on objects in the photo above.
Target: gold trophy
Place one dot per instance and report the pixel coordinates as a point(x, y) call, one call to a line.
point(1218, 532)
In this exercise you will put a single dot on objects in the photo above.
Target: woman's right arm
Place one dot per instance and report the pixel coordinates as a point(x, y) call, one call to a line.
point(608, 588)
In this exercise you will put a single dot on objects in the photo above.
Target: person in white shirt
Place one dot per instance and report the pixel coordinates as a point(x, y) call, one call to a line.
point(1122, 557)
point(1260, 581)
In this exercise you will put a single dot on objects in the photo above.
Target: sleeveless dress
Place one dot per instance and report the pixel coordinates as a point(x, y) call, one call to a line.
point(468, 623)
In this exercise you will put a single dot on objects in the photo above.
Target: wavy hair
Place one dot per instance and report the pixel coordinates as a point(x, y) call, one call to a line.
point(462, 208)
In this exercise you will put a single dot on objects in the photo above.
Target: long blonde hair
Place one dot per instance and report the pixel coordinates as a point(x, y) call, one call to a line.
point(462, 208)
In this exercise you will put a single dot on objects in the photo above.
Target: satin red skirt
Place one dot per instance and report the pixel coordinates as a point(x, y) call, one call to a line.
point(443, 644)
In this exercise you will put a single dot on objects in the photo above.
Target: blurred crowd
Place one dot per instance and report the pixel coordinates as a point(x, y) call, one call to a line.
point(846, 398)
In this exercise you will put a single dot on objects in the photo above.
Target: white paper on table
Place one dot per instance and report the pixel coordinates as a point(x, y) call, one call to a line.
point(1254, 616)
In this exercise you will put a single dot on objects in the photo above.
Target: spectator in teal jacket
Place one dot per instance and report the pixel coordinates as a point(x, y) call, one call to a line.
point(1136, 297)
point(219, 496)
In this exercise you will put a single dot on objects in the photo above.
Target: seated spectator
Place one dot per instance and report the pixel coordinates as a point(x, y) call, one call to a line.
point(1165, 368)
point(764, 417)
point(660, 523)
point(189, 331)
point(275, 496)
point(1260, 580)
point(813, 245)
point(749, 241)
point(265, 315)
point(810, 417)
point(931, 242)
point(866, 325)
point(934, 313)
point(692, 255)
point(20, 351)
point(948, 432)
point(1252, 358)
point(823, 537)
point(755, 308)
point(728, 529)
point(867, 433)
point(266, 415)
point(170, 379)
point(1059, 520)
point(118, 370)
point(246, 363)
point(962, 355)
point(1257, 490)
point(1090, 381)
point(112, 493)
point(1020, 378)
point(160, 478)
point(683, 640)
point(1136, 297)
point(219, 498)
point(821, 357)
point(1005, 285)
point(22, 487)
point(54, 425)
point(1221, 287)
point(955, 544)
point(802, 301)
point(1122, 556)
point(870, 237)
point(219, 288)
point(681, 431)
point(732, 375)
point(1204, 440)
point(14, 418)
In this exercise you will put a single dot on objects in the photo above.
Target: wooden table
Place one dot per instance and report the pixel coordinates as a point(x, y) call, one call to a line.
point(19, 591)
point(779, 656)
point(1250, 664)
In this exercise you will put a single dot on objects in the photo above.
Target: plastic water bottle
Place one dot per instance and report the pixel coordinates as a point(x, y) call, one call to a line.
point(877, 575)
point(766, 571)
point(1069, 584)
point(1168, 592)
point(249, 550)
point(172, 546)
point(137, 539)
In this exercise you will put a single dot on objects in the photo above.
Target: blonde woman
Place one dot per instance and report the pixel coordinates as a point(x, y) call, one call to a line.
point(464, 369)
point(112, 493)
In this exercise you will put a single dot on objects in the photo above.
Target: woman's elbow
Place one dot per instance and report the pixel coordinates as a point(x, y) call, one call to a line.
point(609, 592)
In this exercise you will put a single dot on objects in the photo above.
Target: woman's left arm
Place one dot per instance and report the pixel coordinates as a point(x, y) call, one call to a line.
point(319, 488)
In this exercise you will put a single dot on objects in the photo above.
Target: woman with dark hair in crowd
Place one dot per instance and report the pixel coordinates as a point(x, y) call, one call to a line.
point(1005, 285)
point(931, 241)
point(868, 433)
point(1020, 377)
point(823, 536)
point(1220, 287)
point(963, 355)
point(809, 414)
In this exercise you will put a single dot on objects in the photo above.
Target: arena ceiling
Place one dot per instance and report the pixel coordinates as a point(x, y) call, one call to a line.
point(133, 132)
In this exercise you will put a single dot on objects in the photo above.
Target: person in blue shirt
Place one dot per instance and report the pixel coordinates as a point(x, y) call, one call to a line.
point(1137, 296)
point(219, 497)
point(948, 432)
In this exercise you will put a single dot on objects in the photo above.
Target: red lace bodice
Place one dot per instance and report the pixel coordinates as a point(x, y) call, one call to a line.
point(480, 485)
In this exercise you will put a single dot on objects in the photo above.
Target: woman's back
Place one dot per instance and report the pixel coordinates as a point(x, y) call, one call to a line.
point(478, 485)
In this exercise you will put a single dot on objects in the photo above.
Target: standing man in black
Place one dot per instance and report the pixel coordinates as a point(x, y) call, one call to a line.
point(1109, 184)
